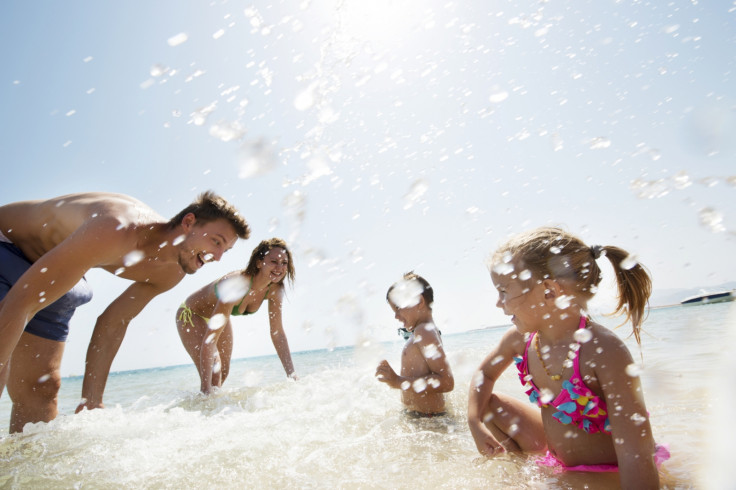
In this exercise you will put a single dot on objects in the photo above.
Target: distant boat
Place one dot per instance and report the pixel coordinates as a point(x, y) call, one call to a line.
point(708, 298)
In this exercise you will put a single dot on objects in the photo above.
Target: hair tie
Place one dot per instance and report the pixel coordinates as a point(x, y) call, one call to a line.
point(596, 250)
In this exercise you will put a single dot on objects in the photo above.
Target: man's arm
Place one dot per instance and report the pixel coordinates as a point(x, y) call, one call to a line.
point(52, 275)
point(107, 337)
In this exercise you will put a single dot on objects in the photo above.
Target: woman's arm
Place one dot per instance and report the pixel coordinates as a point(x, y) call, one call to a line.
point(208, 351)
point(278, 336)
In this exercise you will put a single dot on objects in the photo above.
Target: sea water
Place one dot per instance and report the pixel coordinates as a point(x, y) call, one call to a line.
point(338, 427)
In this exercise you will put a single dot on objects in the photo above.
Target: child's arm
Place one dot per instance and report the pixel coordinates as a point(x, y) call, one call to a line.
point(278, 336)
point(628, 416)
point(438, 380)
point(481, 390)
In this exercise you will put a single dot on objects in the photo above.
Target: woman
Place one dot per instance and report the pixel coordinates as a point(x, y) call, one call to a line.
point(203, 320)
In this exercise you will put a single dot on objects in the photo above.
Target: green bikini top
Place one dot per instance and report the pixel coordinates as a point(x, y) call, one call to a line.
point(236, 308)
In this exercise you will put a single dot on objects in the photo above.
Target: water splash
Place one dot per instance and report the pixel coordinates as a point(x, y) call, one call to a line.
point(177, 39)
point(417, 190)
point(406, 293)
point(629, 262)
point(711, 219)
point(132, 258)
point(233, 288)
point(257, 158)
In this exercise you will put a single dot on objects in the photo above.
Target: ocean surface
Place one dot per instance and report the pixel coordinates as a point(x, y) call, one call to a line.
point(337, 427)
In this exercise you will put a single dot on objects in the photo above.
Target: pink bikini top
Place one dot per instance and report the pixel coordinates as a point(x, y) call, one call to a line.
point(576, 404)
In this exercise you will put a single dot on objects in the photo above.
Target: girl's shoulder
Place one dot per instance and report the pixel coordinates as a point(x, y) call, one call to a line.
point(605, 345)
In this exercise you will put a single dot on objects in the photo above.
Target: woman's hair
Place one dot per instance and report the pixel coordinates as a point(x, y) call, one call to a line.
point(553, 253)
point(427, 292)
point(259, 253)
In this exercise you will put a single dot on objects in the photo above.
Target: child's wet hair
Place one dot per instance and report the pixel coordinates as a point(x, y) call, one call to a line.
point(427, 291)
point(553, 253)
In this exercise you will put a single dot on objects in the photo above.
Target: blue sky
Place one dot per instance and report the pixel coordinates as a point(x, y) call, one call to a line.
point(378, 138)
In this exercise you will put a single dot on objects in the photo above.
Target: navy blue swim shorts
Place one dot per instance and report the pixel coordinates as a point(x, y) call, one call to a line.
point(53, 321)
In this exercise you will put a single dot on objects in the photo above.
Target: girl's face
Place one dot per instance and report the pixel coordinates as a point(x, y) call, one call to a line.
point(518, 296)
point(275, 264)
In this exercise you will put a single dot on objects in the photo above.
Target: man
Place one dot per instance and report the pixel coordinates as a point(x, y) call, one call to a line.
point(47, 246)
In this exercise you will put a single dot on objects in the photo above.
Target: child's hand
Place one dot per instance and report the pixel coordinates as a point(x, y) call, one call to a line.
point(487, 444)
point(386, 374)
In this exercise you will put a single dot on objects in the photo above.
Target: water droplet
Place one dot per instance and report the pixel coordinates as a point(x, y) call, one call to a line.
point(209, 338)
point(217, 321)
point(431, 352)
point(563, 301)
point(634, 370)
point(599, 143)
point(257, 158)
point(499, 96)
point(546, 395)
point(712, 219)
point(419, 385)
point(629, 262)
point(227, 131)
point(306, 98)
point(555, 249)
point(638, 419)
point(415, 193)
point(503, 268)
point(434, 383)
point(232, 288)
point(132, 258)
point(177, 39)
point(525, 275)
point(405, 385)
point(44, 378)
point(406, 293)
point(582, 335)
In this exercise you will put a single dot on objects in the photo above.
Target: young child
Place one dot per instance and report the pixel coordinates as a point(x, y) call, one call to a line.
point(578, 372)
point(203, 320)
point(425, 372)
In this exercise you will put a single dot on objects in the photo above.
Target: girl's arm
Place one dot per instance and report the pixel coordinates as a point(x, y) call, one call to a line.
point(481, 389)
point(278, 336)
point(628, 416)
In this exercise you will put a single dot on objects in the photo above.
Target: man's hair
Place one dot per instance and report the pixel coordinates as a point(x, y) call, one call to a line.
point(210, 207)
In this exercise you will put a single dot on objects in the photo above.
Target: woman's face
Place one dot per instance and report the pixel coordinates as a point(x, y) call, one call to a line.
point(275, 264)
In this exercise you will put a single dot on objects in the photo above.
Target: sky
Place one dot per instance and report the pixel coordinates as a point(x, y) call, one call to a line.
point(377, 138)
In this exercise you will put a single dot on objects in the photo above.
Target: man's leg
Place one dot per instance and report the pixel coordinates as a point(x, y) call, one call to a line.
point(34, 380)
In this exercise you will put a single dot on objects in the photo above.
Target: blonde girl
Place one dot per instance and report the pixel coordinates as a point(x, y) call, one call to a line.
point(587, 410)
